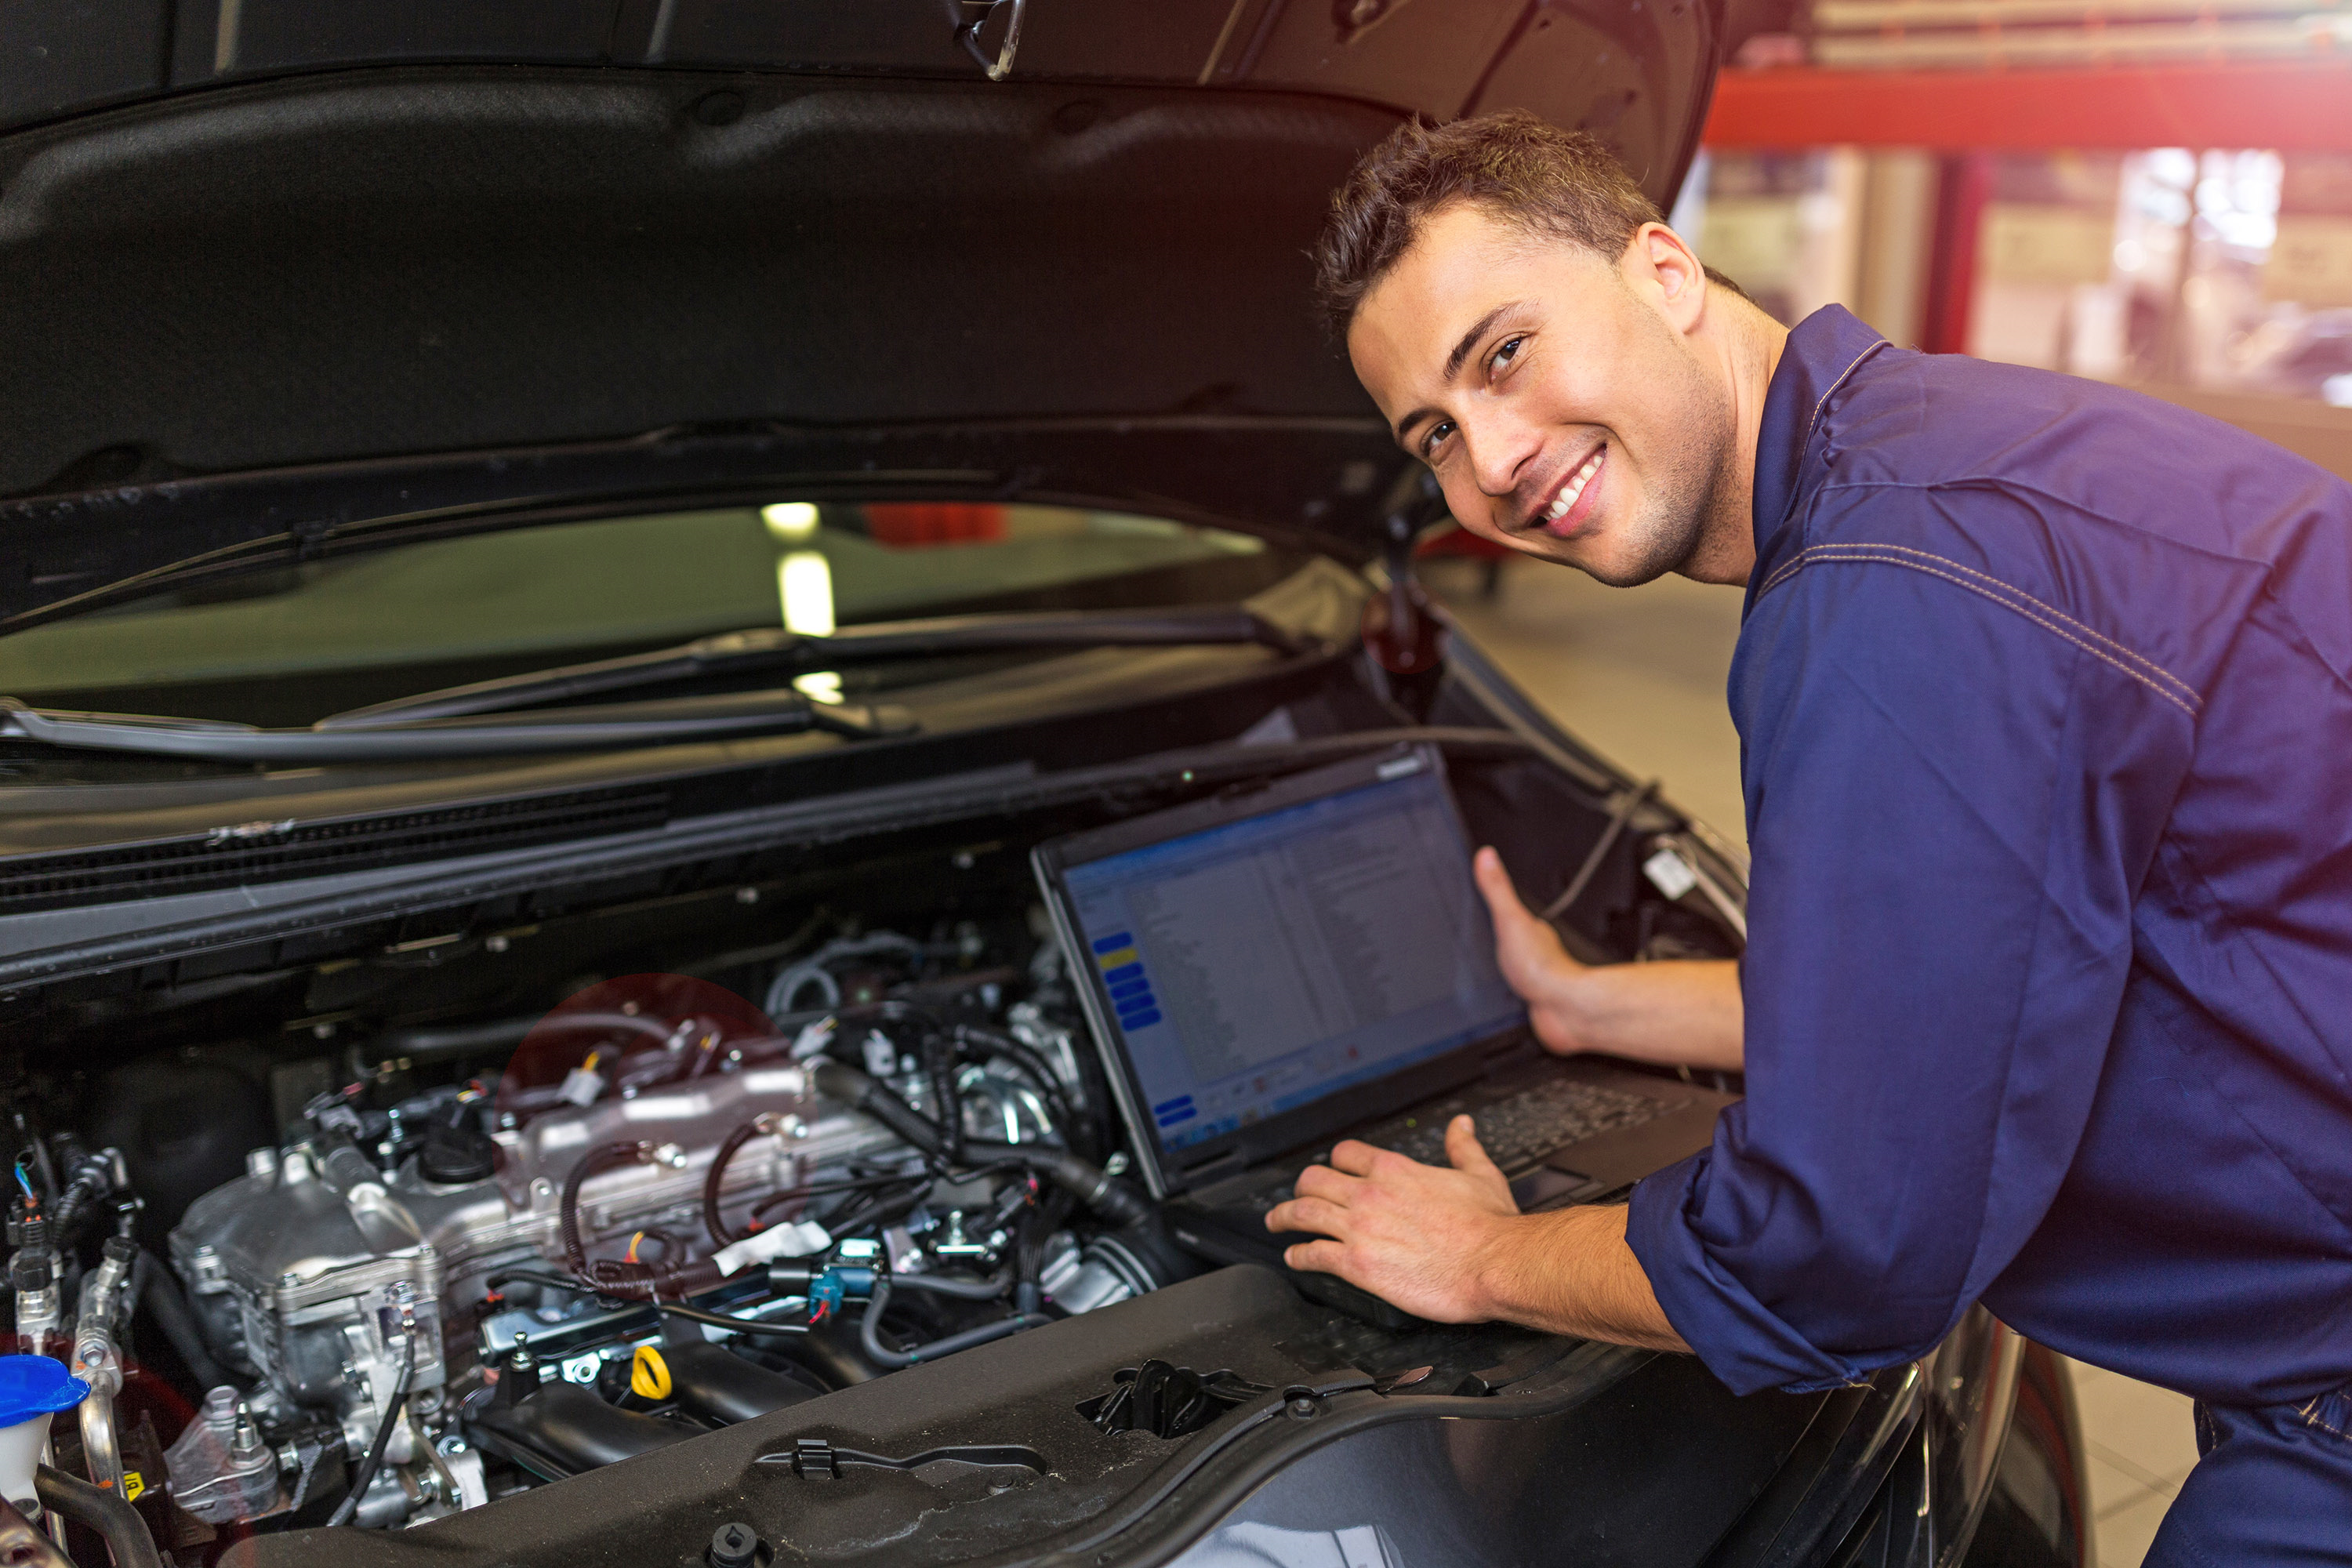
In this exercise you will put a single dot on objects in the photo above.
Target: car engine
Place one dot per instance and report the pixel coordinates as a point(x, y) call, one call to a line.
point(671, 1211)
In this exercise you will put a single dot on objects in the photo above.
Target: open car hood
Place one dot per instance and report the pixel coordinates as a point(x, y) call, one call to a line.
point(279, 281)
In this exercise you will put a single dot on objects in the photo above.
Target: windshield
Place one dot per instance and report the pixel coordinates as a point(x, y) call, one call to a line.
point(288, 645)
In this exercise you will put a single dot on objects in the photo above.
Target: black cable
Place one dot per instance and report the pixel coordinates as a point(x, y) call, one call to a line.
point(159, 1293)
point(951, 1285)
point(872, 1211)
point(939, 1066)
point(721, 1320)
point(711, 1221)
point(106, 1513)
point(673, 1309)
point(364, 1477)
point(561, 1281)
point(1100, 1191)
point(832, 1189)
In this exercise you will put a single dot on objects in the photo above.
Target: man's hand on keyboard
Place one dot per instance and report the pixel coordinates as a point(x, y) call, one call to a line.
point(1412, 1234)
point(1451, 1246)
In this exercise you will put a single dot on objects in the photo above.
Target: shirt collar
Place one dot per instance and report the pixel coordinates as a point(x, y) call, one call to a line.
point(1822, 351)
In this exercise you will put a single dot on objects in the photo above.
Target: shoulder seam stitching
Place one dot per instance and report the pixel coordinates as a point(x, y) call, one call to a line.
point(2143, 663)
point(1831, 391)
point(2147, 671)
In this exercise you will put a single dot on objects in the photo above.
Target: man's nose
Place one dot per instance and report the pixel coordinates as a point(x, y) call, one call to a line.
point(1502, 450)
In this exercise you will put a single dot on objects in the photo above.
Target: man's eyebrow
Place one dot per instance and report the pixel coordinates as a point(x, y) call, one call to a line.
point(1453, 363)
point(1470, 339)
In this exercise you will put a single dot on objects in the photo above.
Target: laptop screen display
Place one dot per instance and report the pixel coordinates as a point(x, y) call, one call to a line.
point(1259, 966)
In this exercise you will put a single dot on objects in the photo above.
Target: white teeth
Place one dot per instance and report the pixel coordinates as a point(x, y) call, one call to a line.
point(1558, 508)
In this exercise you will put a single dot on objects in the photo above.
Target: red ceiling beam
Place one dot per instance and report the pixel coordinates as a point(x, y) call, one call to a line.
point(2293, 107)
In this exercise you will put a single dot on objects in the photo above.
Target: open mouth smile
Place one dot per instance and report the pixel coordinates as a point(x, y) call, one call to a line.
point(1566, 512)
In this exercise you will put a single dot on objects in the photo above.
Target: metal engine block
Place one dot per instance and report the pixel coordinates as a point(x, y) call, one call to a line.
point(301, 1266)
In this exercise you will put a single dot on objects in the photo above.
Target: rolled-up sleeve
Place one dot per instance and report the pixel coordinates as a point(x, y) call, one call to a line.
point(1949, 802)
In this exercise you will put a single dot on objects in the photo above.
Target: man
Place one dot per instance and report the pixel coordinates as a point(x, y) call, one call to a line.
point(2045, 693)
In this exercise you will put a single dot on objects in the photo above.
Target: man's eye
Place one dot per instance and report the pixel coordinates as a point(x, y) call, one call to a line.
point(1437, 433)
point(1508, 352)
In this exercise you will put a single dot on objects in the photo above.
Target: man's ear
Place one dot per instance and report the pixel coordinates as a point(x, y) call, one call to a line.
point(1664, 268)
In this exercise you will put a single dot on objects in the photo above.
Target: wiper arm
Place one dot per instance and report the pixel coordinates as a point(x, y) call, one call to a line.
point(773, 648)
point(615, 727)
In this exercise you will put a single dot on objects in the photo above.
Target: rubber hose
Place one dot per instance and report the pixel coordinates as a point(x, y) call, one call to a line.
point(869, 1332)
point(103, 1512)
point(159, 1293)
point(364, 1477)
point(1090, 1185)
point(843, 1083)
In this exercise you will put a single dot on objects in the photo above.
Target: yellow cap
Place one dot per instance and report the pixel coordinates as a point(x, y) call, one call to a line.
point(649, 1375)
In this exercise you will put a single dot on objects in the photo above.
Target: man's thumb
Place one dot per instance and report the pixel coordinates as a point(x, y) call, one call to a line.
point(1462, 1150)
point(1495, 883)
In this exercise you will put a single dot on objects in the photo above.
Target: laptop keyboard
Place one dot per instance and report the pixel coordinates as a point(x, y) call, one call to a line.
point(1523, 1126)
point(1514, 1129)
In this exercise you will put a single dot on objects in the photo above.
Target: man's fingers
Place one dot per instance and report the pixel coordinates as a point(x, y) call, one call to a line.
point(1356, 1159)
point(1317, 1215)
point(1320, 1256)
point(1464, 1149)
point(1323, 1182)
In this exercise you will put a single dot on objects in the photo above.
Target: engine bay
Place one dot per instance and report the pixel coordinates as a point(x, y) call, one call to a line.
point(403, 1232)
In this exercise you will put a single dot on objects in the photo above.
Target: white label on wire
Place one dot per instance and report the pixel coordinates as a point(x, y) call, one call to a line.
point(1669, 874)
point(796, 1238)
point(581, 1086)
point(812, 1039)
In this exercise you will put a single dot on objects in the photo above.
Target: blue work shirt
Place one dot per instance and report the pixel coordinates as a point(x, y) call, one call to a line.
point(2044, 691)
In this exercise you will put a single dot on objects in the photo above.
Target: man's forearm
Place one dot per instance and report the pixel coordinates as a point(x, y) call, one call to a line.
point(1570, 1272)
point(1679, 1014)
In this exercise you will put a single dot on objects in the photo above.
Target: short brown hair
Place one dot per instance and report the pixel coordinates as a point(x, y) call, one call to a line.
point(1563, 184)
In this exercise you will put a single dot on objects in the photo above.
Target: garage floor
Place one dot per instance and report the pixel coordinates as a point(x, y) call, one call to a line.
point(1639, 674)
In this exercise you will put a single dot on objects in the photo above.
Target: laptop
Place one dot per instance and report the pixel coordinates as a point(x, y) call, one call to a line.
point(1268, 972)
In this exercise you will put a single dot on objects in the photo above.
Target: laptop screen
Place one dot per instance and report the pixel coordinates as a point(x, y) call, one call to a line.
point(1266, 961)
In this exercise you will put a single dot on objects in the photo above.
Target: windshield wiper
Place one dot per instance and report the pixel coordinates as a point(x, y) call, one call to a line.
point(740, 716)
point(773, 648)
point(490, 719)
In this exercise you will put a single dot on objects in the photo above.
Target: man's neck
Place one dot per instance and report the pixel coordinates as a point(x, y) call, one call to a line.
point(1748, 352)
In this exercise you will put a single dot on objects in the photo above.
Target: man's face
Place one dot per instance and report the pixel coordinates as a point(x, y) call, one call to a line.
point(1556, 396)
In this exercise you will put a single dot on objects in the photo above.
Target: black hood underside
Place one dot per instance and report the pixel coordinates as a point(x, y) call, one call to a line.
point(263, 271)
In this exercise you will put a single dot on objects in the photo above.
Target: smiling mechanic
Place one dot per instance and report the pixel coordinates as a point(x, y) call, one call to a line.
point(2046, 697)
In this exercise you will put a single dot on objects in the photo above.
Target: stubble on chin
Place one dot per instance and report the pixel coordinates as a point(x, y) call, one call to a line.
point(1683, 476)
